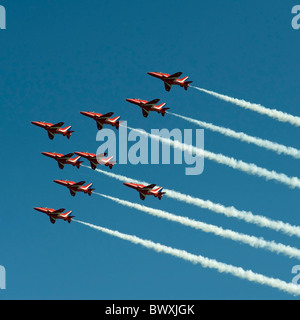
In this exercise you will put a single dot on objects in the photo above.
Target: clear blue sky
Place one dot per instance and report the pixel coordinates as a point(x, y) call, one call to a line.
point(58, 58)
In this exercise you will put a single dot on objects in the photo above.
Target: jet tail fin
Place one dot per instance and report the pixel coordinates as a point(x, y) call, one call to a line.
point(75, 159)
point(163, 111)
point(158, 190)
point(78, 164)
point(75, 162)
point(69, 219)
point(65, 129)
point(183, 79)
point(160, 195)
point(87, 186)
point(186, 84)
point(111, 164)
point(158, 107)
point(115, 119)
point(66, 216)
point(118, 124)
point(89, 191)
point(69, 134)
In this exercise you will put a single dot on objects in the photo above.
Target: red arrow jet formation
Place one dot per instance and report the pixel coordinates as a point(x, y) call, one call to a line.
point(101, 120)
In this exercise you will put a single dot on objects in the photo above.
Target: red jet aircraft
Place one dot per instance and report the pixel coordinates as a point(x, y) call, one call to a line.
point(102, 119)
point(97, 159)
point(62, 160)
point(146, 190)
point(148, 106)
point(170, 80)
point(56, 214)
point(54, 129)
point(76, 186)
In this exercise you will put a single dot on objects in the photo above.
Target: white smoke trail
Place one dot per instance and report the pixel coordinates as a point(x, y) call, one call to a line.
point(230, 212)
point(273, 146)
point(273, 113)
point(249, 168)
point(209, 228)
point(205, 262)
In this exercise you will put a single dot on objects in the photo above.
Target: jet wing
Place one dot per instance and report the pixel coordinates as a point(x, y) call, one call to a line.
point(67, 156)
point(142, 196)
point(101, 155)
point(99, 125)
point(93, 165)
point(60, 165)
point(50, 135)
point(175, 76)
point(168, 86)
point(57, 125)
point(105, 116)
point(59, 211)
point(52, 220)
point(100, 120)
point(78, 184)
point(145, 113)
point(148, 188)
point(151, 103)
